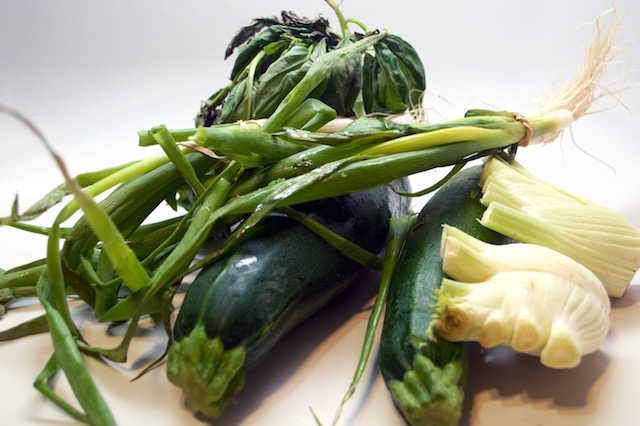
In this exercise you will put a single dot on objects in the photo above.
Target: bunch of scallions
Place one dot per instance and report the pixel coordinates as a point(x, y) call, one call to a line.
point(307, 115)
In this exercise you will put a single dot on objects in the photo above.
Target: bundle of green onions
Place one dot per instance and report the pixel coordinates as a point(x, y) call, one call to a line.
point(261, 144)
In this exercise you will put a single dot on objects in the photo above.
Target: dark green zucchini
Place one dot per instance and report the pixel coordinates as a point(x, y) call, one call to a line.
point(238, 308)
point(426, 377)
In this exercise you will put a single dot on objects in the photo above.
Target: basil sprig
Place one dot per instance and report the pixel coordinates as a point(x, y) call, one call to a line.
point(273, 54)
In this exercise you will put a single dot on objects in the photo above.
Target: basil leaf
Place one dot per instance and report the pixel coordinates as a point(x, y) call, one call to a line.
point(255, 45)
point(411, 64)
point(248, 32)
point(279, 79)
point(344, 85)
point(370, 76)
point(393, 79)
point(235, 105)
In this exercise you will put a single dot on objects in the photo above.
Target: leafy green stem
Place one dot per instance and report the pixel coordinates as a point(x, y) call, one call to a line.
point(344, 27)
point(250, 77)
point(399, 228)
point(351, 250)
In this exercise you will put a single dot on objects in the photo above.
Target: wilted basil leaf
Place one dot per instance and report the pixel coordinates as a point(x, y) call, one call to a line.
point(393, 79)
point(277, 53)
point(409, 60)
point(247, 32)
point(263, 31)
point(344, 85)
point(235, 106)
point(255, 45)
point(280, 78)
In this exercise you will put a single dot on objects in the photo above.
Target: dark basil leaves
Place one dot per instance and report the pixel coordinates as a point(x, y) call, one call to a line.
point(275, 53)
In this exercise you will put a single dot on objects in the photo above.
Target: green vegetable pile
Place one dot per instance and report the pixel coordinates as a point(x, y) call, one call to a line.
point(267, 178)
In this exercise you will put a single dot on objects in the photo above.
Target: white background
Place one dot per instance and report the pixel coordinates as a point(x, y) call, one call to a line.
point(90, 74)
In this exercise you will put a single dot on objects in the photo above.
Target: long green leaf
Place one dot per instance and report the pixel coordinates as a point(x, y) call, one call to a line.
point(346, 247)
point(70, 360)
point(175, 265)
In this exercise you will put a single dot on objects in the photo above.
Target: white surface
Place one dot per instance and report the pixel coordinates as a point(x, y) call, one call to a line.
point(90, 74)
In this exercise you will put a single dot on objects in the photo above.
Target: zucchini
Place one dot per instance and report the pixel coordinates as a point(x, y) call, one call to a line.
point(239, 307)
point(426, 377)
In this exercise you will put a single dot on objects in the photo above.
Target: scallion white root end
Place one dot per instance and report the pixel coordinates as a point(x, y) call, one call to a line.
point(579, 94)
